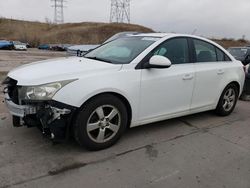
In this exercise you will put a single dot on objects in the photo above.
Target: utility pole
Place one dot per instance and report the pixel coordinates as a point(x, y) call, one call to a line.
point(120, 11)
point(58, 6)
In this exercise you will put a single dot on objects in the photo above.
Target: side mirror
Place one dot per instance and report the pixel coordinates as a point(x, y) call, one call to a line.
point(159, 62)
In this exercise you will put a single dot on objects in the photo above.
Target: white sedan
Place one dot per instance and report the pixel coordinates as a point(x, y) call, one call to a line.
point(20, 46)
point(127, 82)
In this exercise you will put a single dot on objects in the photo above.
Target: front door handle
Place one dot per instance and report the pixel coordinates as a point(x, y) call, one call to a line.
point(220, 71)
point(188, 77)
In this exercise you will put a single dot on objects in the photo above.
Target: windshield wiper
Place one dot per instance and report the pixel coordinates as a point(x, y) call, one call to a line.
point(100, 59)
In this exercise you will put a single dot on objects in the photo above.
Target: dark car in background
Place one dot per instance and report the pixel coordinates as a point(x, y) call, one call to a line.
point(247, 82)
point(243, 54)
point(44, 47)
point(6, 45)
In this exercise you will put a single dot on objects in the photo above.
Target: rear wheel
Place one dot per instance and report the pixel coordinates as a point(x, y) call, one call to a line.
point(227, 100)
point(101, 122)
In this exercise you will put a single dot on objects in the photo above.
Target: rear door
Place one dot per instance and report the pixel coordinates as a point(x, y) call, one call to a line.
point(211, 66)
point(168, 91)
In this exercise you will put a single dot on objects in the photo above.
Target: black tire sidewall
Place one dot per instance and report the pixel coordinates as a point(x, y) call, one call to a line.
point(80, 127)
point(219, 109)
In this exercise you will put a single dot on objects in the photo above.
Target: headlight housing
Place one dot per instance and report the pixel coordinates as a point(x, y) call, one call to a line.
point(42, 92)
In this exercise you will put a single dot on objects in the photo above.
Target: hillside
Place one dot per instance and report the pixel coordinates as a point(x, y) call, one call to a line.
point(226, 43)
point(72, 33)
point(36, 33)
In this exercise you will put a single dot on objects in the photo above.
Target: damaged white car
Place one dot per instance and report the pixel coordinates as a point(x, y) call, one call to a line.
point(127, 82)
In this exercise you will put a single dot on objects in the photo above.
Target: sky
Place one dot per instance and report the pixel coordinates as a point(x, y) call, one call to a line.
point(209, 18)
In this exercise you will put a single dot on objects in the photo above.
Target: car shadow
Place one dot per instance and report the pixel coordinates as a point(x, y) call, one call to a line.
point(154, 128)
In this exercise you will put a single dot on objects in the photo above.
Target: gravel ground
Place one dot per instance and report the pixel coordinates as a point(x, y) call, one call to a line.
point(12, 59)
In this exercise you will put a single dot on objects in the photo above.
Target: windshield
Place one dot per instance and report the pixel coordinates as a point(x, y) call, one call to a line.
point(122, 50)
point(238, 52)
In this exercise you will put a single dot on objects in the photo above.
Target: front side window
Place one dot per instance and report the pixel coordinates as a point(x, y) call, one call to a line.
point(176, 50)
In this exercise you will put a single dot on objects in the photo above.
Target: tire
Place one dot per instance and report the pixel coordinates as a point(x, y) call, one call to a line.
point(227, 100)
point(100, 122)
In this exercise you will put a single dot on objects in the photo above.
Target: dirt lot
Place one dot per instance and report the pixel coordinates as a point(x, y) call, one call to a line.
point(198, 151)
point(11, 59)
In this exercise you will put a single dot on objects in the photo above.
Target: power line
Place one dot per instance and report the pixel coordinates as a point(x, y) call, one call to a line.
point(58, 11)
point(120, 11)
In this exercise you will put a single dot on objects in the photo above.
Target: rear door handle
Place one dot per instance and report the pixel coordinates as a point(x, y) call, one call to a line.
point(220, 71)
point(188, 77)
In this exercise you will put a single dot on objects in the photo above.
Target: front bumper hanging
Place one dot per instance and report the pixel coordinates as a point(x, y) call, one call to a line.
point(51, 117)
point(18, 110)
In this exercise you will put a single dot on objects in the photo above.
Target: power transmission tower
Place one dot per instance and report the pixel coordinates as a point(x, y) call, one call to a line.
point(58, 11)
point(120, 11)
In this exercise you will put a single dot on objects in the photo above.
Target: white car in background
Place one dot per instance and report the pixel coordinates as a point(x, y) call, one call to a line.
point(127, 82)
point(19, 45)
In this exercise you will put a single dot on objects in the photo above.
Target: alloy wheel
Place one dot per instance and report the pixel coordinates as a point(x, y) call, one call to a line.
point(103, 123)
point(229, 99)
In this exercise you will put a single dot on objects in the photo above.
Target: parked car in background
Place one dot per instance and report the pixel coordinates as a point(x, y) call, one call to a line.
point(127, 82)
point(80, 50)
point(243, 54)
point(28, 45)
point(240, 53)
point(20, 46)
point(6, 45)
point(54, 47)
point(246, 90)
point(44, 47)
point(59, 47)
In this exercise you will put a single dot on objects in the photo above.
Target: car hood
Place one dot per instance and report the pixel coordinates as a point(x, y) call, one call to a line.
point(59, 69)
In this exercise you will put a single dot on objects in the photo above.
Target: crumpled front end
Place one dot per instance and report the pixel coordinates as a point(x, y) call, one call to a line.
point(51, 117)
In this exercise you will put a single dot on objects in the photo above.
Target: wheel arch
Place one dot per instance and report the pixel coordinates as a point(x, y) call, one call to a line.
point(118, 95)
point(237, 84)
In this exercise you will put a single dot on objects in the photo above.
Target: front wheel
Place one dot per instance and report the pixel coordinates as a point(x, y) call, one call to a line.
point(227, 100)
point(100, 122)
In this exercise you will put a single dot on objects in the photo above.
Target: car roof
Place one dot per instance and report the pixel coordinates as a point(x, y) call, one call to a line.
point(240, 47)
point(162, 35)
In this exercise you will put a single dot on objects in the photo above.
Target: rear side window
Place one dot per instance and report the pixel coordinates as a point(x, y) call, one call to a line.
point(206, 52)
point(176, 50)
point(221, 56)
